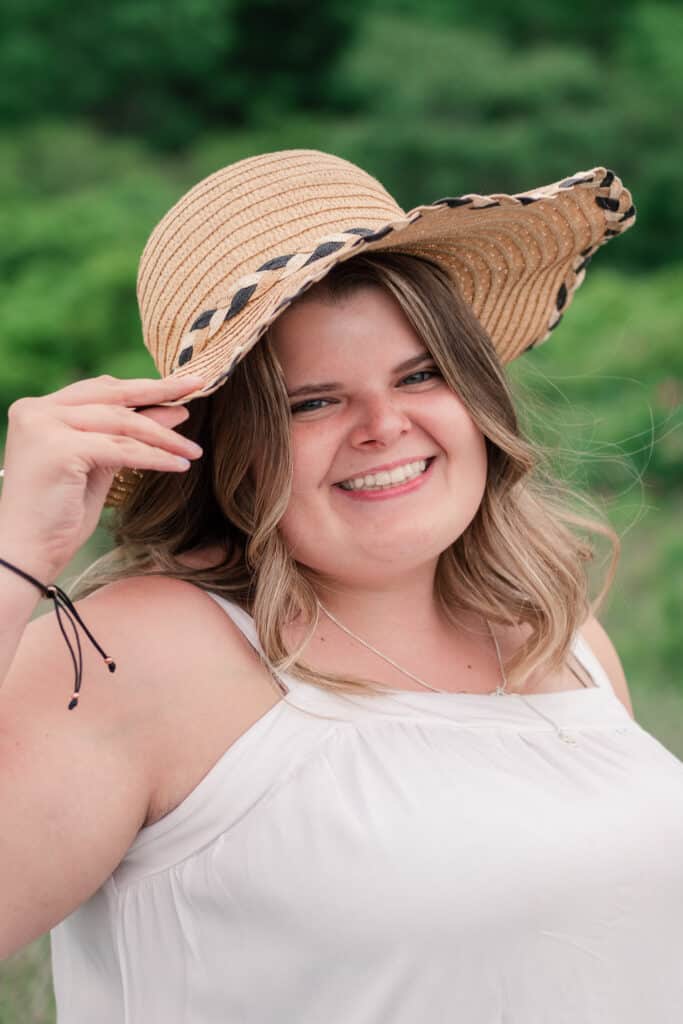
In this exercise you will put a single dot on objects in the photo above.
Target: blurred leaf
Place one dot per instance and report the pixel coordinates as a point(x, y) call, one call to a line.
point(166, 71)
point(613, 374)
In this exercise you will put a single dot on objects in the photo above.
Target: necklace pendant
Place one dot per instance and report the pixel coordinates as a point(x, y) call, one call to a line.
point(567, 737)
point(499, 691)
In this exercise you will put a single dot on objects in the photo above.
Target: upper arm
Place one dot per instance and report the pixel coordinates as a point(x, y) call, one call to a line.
point(605, 652)
point(75, 786)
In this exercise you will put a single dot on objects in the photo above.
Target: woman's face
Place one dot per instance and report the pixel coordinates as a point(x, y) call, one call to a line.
point(360, 412)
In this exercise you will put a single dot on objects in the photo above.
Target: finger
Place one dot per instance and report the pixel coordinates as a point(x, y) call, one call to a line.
point(117, 421)
point(107, 451)
point(131, 392)
point(167, 415)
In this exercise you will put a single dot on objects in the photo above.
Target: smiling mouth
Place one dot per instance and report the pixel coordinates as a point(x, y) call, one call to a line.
point(351, 485)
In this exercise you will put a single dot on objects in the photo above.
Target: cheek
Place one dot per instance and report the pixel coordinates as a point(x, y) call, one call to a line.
point(474, 447)
point(306, 518)
point(453, 427)
point(304, 473)
point(311, 462)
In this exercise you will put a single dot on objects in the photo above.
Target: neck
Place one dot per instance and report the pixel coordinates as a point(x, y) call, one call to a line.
point(391, 608)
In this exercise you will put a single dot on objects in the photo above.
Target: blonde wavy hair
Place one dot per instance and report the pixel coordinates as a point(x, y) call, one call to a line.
point(522, 558)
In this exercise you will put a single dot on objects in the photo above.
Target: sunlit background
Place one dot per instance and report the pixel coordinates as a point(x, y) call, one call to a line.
point(109, 113)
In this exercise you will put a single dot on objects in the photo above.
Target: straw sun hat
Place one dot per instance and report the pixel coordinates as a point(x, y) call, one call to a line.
point(241, 245)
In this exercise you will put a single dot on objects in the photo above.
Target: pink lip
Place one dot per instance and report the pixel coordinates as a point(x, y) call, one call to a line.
point(387, 465)
point(390, 492)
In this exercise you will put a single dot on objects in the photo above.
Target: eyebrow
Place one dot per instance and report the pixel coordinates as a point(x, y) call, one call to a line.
point(409, 364)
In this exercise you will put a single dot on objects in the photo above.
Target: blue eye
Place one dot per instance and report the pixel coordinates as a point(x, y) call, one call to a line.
point(312, 404)
point(430, 373)
point(306, 406)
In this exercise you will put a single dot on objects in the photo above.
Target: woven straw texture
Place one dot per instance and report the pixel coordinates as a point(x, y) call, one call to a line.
point(244, 243)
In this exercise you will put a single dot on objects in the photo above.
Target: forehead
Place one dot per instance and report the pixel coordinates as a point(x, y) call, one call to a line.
point(362, 326)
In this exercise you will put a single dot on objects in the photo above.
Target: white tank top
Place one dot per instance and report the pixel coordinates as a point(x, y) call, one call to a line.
point(414, 856)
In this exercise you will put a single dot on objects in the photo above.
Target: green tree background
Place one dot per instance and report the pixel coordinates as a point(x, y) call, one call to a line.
point(109, 114)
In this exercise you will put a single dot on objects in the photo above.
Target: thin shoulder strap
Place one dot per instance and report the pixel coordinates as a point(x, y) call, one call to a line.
point(242, 619)
point(587, 658)
point(246, 625)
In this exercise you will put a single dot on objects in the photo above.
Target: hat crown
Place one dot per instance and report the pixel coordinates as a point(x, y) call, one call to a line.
point(236, 219)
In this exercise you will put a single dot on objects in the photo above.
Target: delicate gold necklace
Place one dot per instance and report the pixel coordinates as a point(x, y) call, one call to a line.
point(499, 691)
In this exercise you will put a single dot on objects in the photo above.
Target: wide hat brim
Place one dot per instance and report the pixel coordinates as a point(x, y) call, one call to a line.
point(517, 260)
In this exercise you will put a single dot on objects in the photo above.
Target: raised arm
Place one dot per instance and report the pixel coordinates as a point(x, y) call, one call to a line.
point(74, 785)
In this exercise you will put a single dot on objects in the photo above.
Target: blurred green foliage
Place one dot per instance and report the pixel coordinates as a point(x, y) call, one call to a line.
point(475, 108)
point(435, 98)
point(613, 376)
point(109, 113)
point(165, 71)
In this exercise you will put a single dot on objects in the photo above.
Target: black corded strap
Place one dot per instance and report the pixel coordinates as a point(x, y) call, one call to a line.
point(63, 601)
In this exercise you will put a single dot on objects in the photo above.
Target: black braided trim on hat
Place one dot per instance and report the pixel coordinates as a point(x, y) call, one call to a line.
point(210, 320)
point(278, 268)
point(608, 199)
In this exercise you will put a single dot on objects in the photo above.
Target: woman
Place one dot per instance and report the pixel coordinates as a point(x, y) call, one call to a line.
point(379, 762)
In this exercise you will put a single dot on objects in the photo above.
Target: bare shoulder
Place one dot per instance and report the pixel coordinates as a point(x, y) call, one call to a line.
point(169, 634)
point(598, 640)
point(201, 682)
point(158, 630)
point(186, 684)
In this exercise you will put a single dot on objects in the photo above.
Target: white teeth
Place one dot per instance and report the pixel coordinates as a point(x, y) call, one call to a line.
point(386, 478)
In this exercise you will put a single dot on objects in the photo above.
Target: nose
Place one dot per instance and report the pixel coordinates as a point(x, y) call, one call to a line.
point(381, 420)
